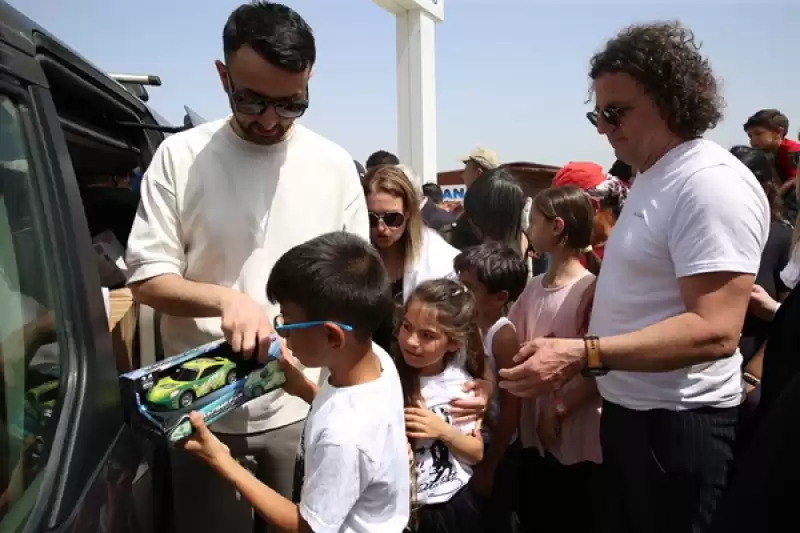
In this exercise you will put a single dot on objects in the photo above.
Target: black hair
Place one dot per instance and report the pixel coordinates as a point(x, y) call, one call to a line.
point(337, 276)
point(434, 192)
point(762, 165)
point(276, 32)
point(665, 59)
point(381, 157)
point(493, 204)
point(497, 266)
point(622, 170)
point(574, 206)
point(360, 169)
point(770, 119)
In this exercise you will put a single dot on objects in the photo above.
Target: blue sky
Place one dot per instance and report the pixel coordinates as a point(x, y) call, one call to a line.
point(511, 74)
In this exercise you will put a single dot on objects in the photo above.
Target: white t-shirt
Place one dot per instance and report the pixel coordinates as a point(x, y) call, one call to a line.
point(439, 473)
point(354, 458)
point(488, 348)
point(697, 210)
point(435, 261)
point(790, 274)
point(217, 209)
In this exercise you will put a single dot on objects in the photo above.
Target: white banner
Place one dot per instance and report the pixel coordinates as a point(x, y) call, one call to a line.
point(453, 193)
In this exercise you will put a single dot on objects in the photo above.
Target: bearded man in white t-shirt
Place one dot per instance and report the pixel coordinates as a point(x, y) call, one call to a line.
point(672, 293)
point(220, 204)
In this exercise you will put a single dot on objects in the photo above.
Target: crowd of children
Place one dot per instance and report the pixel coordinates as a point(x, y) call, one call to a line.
point(381, 450)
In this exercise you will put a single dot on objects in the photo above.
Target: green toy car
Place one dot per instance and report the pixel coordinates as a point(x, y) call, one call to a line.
point(264, 380)
point(190, 381)
point(40, 401)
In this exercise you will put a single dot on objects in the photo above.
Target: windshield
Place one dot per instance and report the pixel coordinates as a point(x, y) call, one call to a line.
point(183, 374)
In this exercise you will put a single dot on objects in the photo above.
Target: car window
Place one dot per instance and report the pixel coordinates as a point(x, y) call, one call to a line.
point(210, 370)
point(30, 333)
point(183, 374)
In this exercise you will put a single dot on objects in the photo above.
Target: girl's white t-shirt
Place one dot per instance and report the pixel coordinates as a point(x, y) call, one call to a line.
point(439, 473)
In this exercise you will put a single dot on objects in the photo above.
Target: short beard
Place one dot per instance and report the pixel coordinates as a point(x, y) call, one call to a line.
point(247, 131)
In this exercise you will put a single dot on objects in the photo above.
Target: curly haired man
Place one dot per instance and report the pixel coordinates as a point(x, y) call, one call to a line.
point(673, 291)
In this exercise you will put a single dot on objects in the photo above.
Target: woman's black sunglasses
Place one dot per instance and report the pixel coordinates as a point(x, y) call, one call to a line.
point(392, 219)
point(613, 115)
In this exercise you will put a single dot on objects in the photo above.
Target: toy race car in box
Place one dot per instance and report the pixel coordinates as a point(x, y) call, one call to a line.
point(211, 379)
point(194, 379)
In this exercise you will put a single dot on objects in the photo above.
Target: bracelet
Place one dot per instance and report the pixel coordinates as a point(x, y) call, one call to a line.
point(561, 408)
point(750, 379)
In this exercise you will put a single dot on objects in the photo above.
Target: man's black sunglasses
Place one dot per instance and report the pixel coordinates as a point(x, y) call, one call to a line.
point(249, 103)
point(613, 115)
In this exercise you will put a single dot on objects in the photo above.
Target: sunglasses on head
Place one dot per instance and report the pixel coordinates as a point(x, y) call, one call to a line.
point(248, 103)
point(612, 115)
point(392, 219)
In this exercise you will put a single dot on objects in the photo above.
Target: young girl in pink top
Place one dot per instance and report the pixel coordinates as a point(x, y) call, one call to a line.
point(559, 431)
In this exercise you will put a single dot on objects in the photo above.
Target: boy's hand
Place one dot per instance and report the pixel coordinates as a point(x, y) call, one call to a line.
point(205, 444)
point(296, 382)
point(422, 423)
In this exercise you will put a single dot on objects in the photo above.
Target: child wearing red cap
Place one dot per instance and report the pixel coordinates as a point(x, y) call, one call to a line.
point(608, 195)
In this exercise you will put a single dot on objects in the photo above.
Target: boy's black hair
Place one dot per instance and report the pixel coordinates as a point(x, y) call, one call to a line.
point(276, 32)
point(769, 119)
point(381, 157)
point(434, 192)
point(622, 170)
point(497, 266)
point(337, 276)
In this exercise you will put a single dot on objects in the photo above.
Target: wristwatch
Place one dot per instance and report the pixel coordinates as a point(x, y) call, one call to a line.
point(594, 365)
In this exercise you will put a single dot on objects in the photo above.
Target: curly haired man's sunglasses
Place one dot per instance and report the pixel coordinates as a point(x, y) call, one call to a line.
point(612, 115)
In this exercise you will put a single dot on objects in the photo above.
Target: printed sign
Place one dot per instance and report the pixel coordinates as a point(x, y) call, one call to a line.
point(453, 193)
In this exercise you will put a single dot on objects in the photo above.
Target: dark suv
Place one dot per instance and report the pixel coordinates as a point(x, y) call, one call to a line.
point(67, 460)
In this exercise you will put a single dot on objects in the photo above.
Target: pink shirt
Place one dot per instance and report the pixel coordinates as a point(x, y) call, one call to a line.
point(541, 312)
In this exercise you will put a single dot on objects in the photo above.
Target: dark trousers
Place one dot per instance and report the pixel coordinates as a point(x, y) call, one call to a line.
point(762, 494)
point(558, 498)
point(205, 502)
point(665, 470)
point(504, 499)
point(460, 514)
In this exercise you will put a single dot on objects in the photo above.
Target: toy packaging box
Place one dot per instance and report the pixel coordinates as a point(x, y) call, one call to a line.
point(211, 379)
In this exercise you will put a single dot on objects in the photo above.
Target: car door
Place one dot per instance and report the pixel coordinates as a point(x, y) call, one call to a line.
point(208, 380)
point(78, 469)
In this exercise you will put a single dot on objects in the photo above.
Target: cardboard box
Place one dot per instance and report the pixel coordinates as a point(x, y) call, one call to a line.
point(211, 379)
point(110, 257)
point(123, 314)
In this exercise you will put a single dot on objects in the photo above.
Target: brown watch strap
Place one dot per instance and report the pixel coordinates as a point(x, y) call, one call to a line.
point(592, 352)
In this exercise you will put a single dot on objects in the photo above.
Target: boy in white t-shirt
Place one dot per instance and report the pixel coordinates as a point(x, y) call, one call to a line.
point(352, 472)
point(496, 275)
